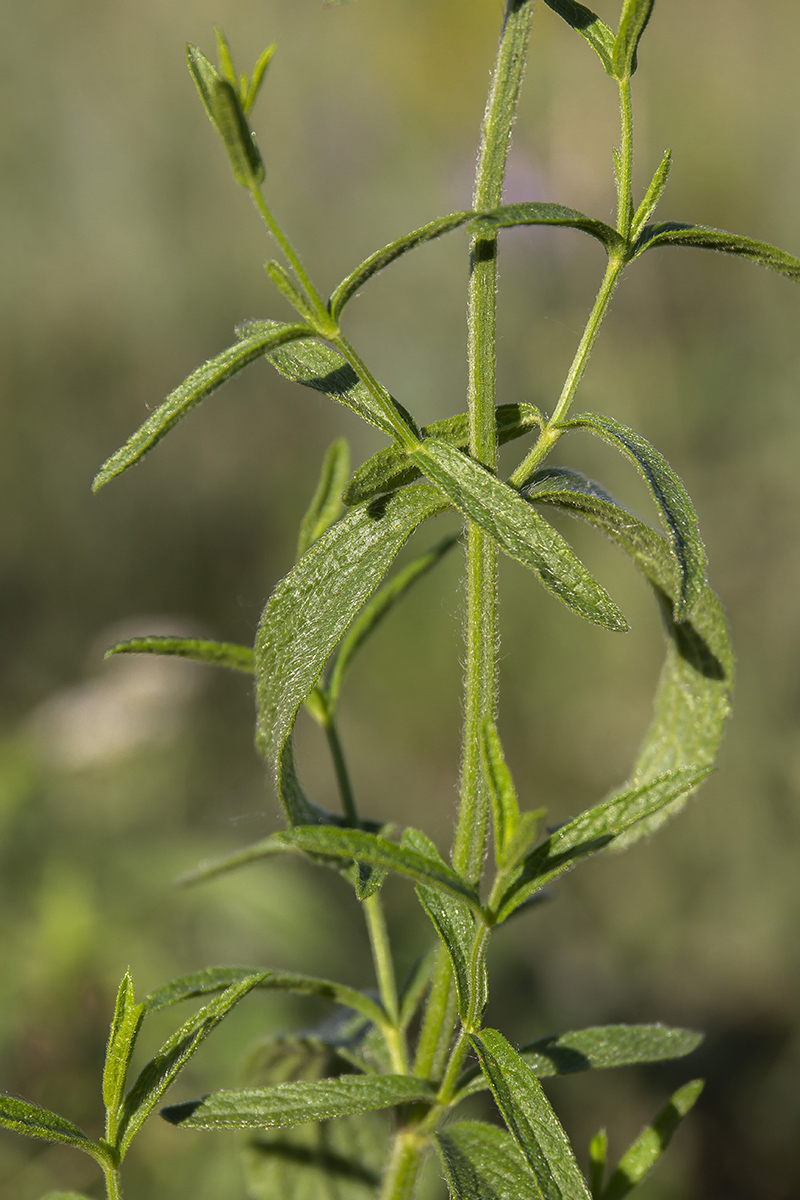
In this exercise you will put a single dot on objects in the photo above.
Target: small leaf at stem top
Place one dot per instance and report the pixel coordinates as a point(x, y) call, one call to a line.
point(589, 26)
point(634, 18)
point(125, 1026)
point(221, 100)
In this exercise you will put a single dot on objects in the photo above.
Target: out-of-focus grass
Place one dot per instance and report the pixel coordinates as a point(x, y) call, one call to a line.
point(128, 257)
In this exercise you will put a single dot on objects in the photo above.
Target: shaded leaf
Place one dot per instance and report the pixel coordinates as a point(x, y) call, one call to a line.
point(215, 654)
point(598, 1152)
point(390, 468)
point(529, 1117)
point(701, 237)
point(309, 611)
point(534, 213)
point(589, 25)
point(217, 979)
point(671, 498)
point(482, 1162)
point(223, 106)
point(506, 517)
point(36, 1122)
point(163, 1069)
point(289, 1104)
point(642, 1155)
point(634, 18)
point(381, 258)
point(327, 503)
point(594, 830)
point(196, 387)
point(652, 196)
point(125, 1026)
point(694, 692)
point(500, 785)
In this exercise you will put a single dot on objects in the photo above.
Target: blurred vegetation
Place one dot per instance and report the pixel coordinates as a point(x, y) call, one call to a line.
point(129, 256)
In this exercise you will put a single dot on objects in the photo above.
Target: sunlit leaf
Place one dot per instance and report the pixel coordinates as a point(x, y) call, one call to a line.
point(327, 503)
point(163, 1069)
point(36, 1122)
point(482, 1162)
point(390, 468)
point(652, 196)
point(310, 610)
point(598, 1152)
point(289, 1104)
point(381, 258)
point(694, 693)
point(223, 106)
point(529, 1118)
point(642, 1155)
point(217, 979)
point(634, 18)
point(196, 387)
point(299, 301)
point(500, 785)
point(671, 498)
point(257, 78)
point(701, 237)
point(505, 516)
point(215, 654)
point(589, 25)
point(535, 213)
point(125, 1026)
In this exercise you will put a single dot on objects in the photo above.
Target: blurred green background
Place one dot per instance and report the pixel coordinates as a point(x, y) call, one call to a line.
point(129, 254)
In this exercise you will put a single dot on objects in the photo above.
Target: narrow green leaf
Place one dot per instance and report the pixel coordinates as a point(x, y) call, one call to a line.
point(671, 499)
point(381, 604)
point(163, 1069)
point(595, 830)
point(694, 693)
point(309, 611)
point(503, 513)
point(589, 25)
point(462, 936)
point(327, 503)
point(325, 370)
point(218, 979)
point(381, 258)
point(289, 1104)
point(599, 1047)
point(598, 1152)
point(224, 59)
point(221, 101)
point(36, 1122)
point(257, 79)
point(701, 237)
point(125, 1026)
point(196, 387)
point(390, 468)
point(529, 1117)
point(534, 213)
point(652, 196)
point(635, 15)
point(640, 1158)
point(482, 1162)
point(215, 654)
point(500, 785)
point(297, 298)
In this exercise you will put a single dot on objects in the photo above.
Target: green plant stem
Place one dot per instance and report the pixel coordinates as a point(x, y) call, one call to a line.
point(290, 254)
point(340, 767)
point(625, 177)
point(405, 435)
point(387, 982)
point(113, 1182)
point(437, 1028)
point(403, 1166)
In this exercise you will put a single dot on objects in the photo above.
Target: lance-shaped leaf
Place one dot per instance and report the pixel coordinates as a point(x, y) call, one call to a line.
point(309, 611)
point(382, 603)
point(694, 692)
point(125, 1026)
point(642, 1155)
point(652, 196)
point(589, 25)
point(196, 387)
point(381, 258)
point(163, 1069)
point(463, 937)
point(599, 1047)
point(298, 299)
point(390, 468)
point(289, 1104)
point(535, 213)
point(215, 654)
point(482, 1162)
point(701, 237)
point(503, 513)
point(529, 1117)
point(36, 1122)
point(224, 109)
point(327, 502)
point(324, 370)
point(218, 979)
point(257, 78)
point(671, 498)
point(502, 793)
point(634, 18)
point(594, 830)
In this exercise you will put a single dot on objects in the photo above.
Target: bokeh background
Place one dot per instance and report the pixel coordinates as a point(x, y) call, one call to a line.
point(129, 254)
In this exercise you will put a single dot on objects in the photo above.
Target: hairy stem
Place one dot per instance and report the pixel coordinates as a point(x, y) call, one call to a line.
point(403, 1166)
point(625, 172)
point(113, 1182)
point(387, 982)
point(340, 767)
